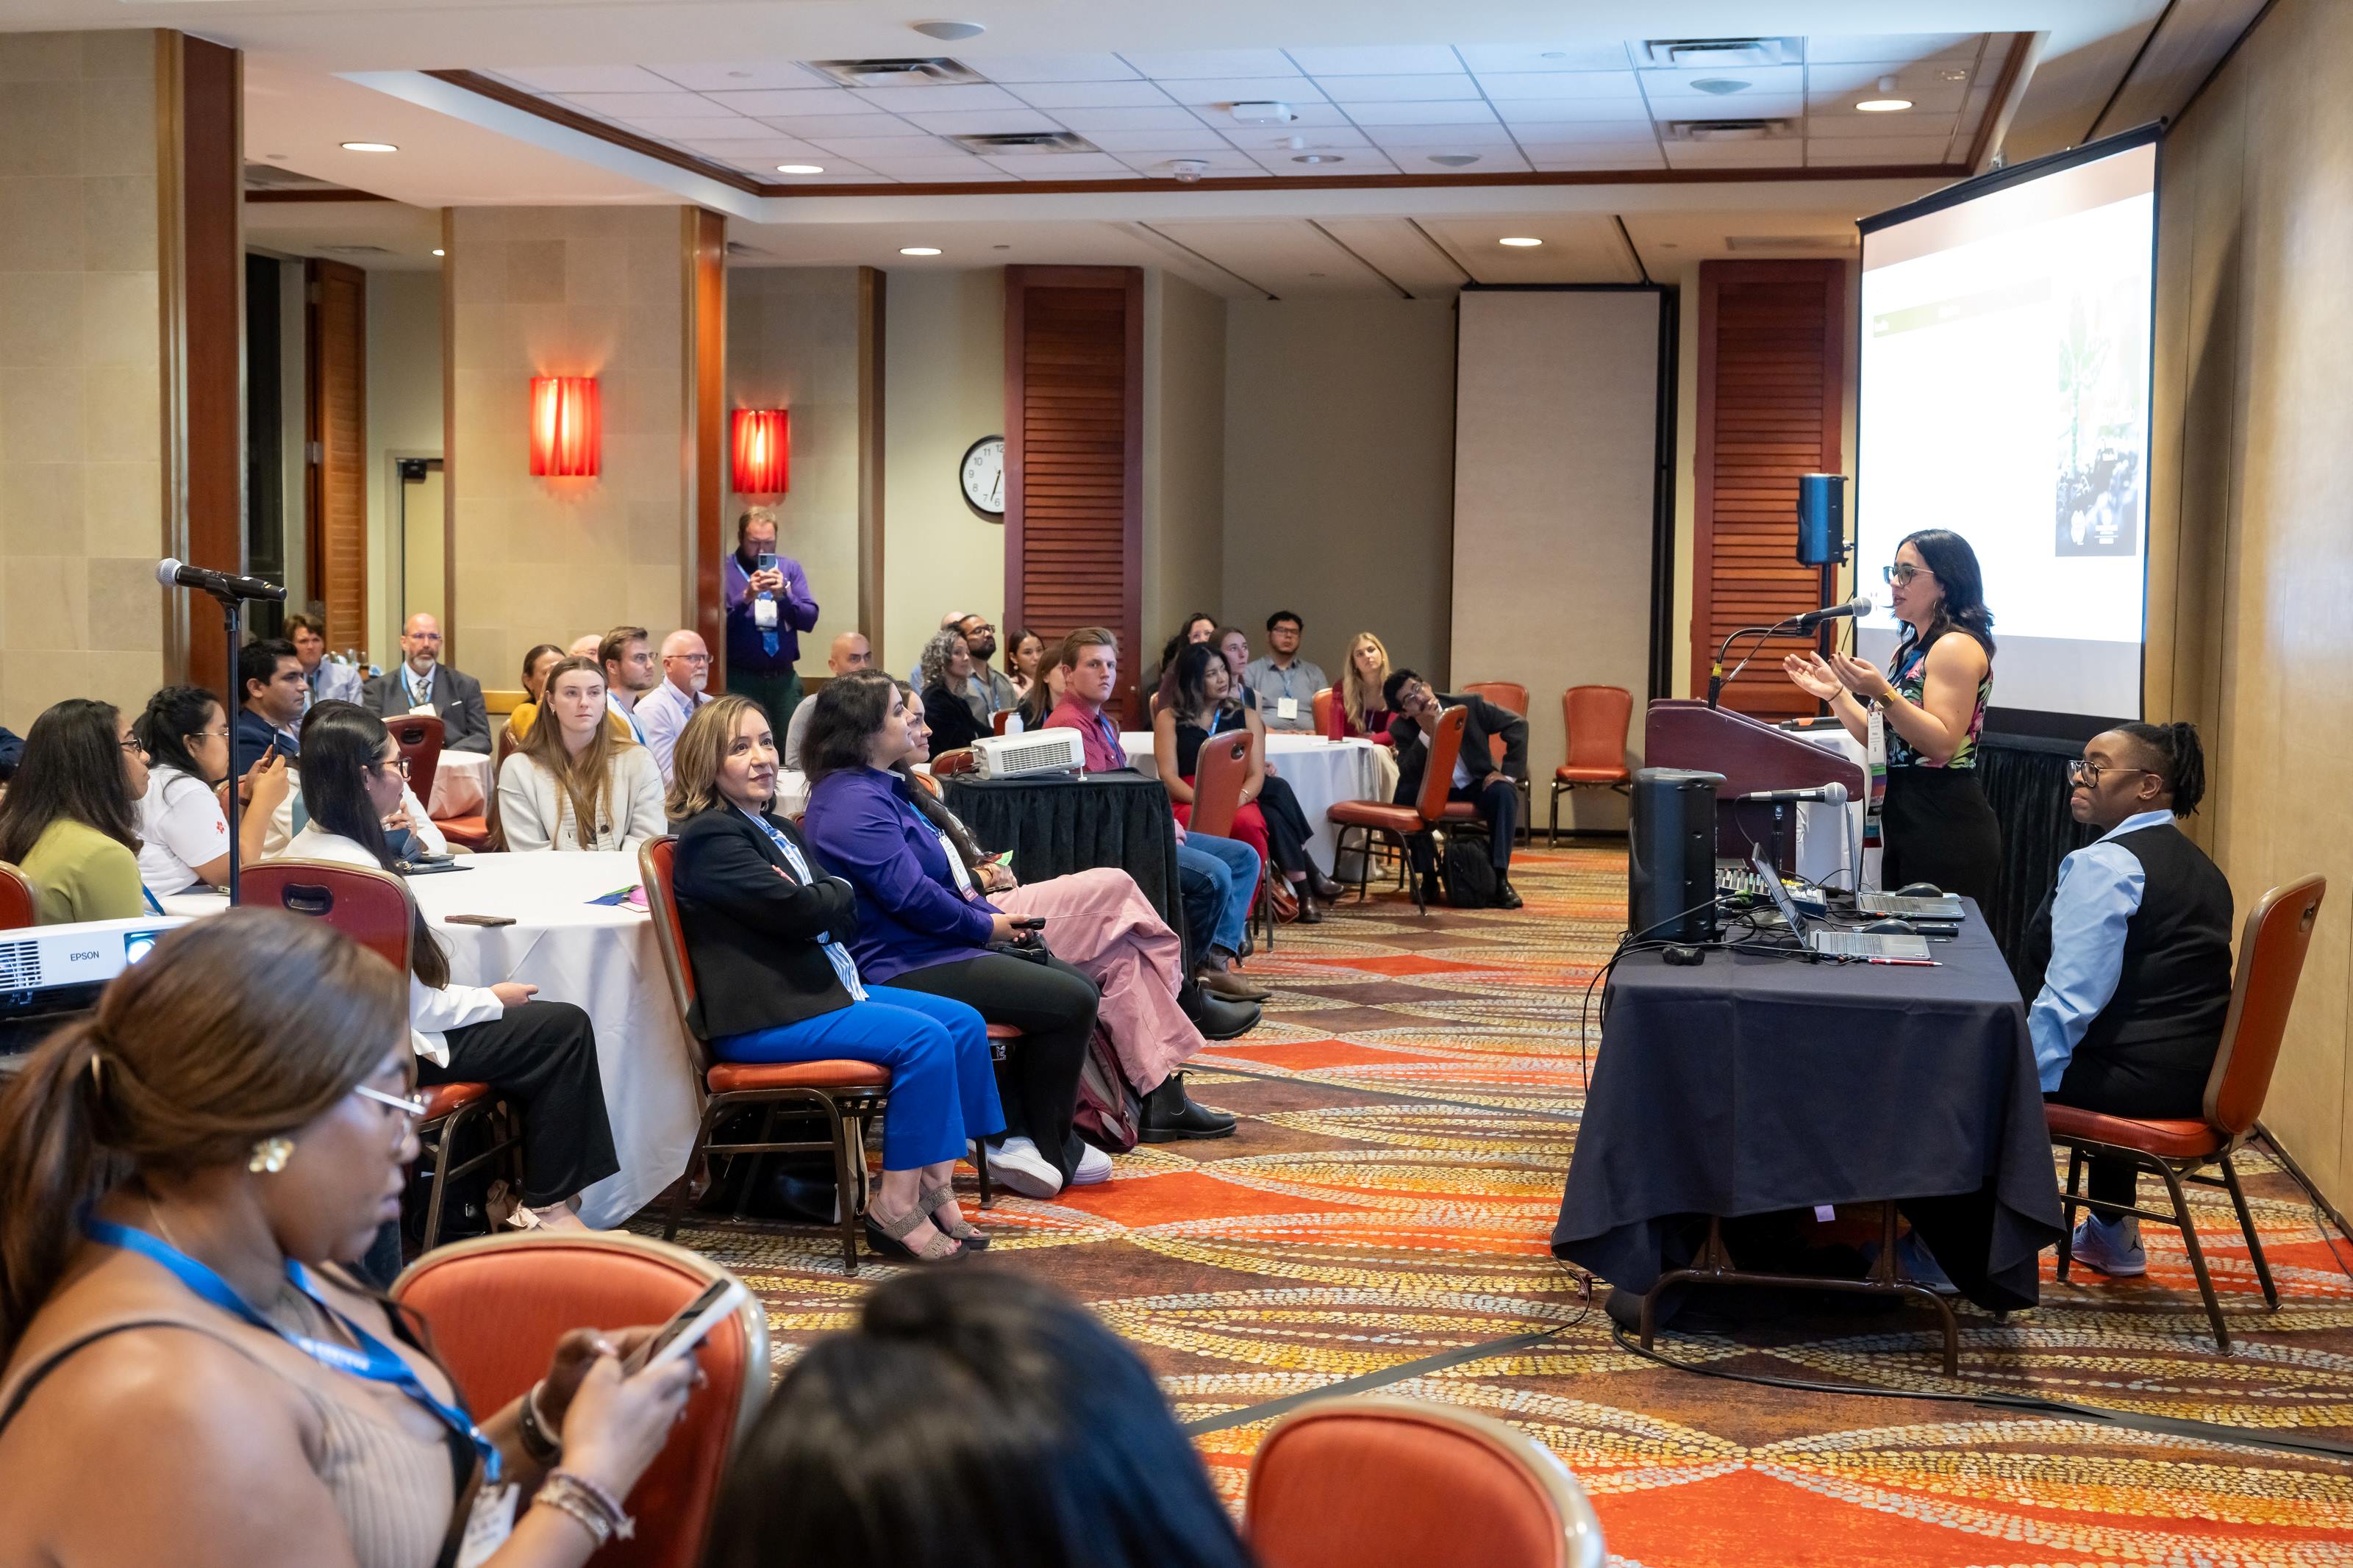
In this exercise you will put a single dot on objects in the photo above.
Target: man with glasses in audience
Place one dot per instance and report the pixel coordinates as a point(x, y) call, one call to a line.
point(421, 682)
point(663, 713)
point(769, 606)
point(328, 679)
point(986, 690)
point(850, 651)
point(1284, 683)
point(1478, 778)
point(630, 673)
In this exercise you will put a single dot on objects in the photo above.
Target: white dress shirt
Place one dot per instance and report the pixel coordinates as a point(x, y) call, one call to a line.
point(2099, 892)
point(290, 819)
point(662, 715)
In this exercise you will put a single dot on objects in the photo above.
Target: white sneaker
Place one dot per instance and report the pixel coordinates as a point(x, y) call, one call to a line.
point(2112, 1246)
point(1094, 1166)
point(1015, 1166)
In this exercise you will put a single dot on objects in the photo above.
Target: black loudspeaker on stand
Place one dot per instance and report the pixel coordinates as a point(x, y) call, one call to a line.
point(1821, 519)
point(1671, 863)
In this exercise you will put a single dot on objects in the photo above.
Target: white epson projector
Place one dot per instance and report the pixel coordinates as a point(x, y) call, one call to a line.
point(51, 974)
point(1028, 755)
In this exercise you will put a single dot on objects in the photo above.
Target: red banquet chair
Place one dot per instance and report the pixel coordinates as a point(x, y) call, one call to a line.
point(20, 905)
point(1420, 820)
point(419, 739)
point(1220, 773)
point(374, 909)
point(1402, 1483)
point(1595, 718)
point(497, 1306)
point(1323, 700)
point(2271, 958)
point(1512, 695)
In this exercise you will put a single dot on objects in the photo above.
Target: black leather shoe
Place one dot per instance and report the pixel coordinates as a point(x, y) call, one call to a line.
point(1325, 888)
point(1224, 1020)
point(1311, 913)
point(1506, 895)
point(1169, 1116)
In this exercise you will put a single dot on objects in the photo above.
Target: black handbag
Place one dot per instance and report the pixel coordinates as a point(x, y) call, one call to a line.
point(1468, 873)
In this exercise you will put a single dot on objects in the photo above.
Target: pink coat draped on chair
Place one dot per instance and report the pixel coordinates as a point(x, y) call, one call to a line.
point(1099, 921)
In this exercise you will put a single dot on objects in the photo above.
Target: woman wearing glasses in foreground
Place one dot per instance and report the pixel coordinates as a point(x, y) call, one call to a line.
point(186, 1375)
point(1935, 825)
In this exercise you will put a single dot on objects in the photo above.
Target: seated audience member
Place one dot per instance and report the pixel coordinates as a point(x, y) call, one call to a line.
point(766, 926)
point(950, 622)
point(1359, 703)
point(1222, 872)
point(184, 834)
point(986, 692)
point(1107, 929)
point(2128, 959)
point(535, 666)
point(573, 783)
point(329, 681)
point(631, 672)
point(662, 713)
point(70, 818)
point(584, 646)
point(422, 682)
point(541, 1054)
point(1023, 652)
point(1476, 779)
point(407, 830)
point(182, 1176)
point(1161, 679)
point(947, 670)
point(1045, 694)
point(1019, 1430)
point(1233, 644)
point(270, 678)
point(920, 929)
point(1285, 683)
point(769, 606)
point(1270, 819)
point(849, 651)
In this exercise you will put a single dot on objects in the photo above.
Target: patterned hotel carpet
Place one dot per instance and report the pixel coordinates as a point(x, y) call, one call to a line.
point(1408, 1108)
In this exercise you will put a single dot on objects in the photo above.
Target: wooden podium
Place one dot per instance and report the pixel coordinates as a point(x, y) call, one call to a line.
point(1752, 756)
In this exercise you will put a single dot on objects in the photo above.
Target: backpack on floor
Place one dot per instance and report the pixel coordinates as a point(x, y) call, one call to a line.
point(1468, 872)
point(1110, 1113)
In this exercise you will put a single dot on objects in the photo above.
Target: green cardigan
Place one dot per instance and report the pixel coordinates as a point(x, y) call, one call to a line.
point(80, 874)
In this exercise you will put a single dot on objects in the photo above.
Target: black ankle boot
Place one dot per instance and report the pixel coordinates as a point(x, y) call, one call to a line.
point(1169, 1116)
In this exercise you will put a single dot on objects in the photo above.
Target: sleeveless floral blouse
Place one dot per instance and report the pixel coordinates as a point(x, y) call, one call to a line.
point(1908, 673)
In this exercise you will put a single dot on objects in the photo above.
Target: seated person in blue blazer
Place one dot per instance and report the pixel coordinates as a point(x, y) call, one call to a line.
point(2128, 959)
point(923, 927)
point(765, 929)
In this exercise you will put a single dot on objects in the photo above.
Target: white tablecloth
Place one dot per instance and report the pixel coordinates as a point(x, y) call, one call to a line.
point(599, 957)
point(461, 784)
point(1320, 771)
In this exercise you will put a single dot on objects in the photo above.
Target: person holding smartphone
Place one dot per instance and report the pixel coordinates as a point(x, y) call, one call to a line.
point(769, 606)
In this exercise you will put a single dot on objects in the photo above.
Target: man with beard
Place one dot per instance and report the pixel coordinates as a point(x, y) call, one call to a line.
point(663, 713)
point(769, 606)
point(629, 674)
point(986, 689)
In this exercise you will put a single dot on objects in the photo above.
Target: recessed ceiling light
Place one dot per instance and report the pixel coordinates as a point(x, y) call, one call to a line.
point(370, 147)
point(439, 252)
point(1882, 105)
point(950, 31)
point(800, 168)
point(919, 250)
point(1319, 158)
point(1454, 160)
point(1519, 242)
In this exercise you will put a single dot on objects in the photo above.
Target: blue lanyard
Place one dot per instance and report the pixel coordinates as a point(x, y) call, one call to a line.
point(374, 1360)
point(845, 967)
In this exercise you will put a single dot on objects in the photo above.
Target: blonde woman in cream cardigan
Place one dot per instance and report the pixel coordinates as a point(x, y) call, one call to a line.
point(573, 783)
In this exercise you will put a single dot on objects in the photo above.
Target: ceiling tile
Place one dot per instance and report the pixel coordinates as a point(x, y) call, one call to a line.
point(1787, 152)
point(1400, 251)
point(961, 168)
point(1288, 258)
point(1064, 166)
point(1582, 130)
point(985, 123)
point(1927, 98)
point(1491, 160)
point(1365, 161)
point(1746, 106)
point(1760, 79)
point(1304, 116)
point(742, 75)
point(1473, 112)
point(1438, 137)
point(1090, 121)
point(1520, 86)
point(936, 99)
point(636, 106)
point(1483, 57)
point(1892, 47)
point(1570, 152)
point(909, 144)
point(1053, 95)
point(1050, 68)
point(811, 127)
point(1203, 92)
point(1614, 155)
point(583, 78)
point(1888, 150)
point(1849, 126)
point(837, 173)
point(771, 146)
point(1163, 65)
point(1347, 90)
point(1175, 143)
point(1154, 165)
point(733, 129)
point(1911, 79)
point(782, 105)
point(1376, 60)
point(1537, 111)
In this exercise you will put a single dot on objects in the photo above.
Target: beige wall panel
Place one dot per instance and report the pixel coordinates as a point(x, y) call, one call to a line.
point(404, 415)
point(1184, 457)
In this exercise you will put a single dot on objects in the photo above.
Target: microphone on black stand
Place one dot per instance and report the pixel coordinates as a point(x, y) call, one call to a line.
point(232, 591)
point(1859, 604)
point(221, 585)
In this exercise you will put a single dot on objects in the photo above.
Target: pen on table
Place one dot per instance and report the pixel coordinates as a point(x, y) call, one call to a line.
point(1910, 963)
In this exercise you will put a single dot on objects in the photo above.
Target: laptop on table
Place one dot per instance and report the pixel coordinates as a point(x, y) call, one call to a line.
point(1839, 943)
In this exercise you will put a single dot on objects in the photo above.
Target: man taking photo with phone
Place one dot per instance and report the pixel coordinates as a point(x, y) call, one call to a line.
point(768, 606)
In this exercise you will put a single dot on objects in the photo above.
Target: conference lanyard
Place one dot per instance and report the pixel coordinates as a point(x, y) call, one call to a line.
point(845, 967)
point(1876, 755)
point(374, 1360)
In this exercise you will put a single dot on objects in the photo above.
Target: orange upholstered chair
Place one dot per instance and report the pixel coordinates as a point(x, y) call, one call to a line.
point(947, 764)
point(1510, 694)
point(1594, 720)
point(497, 1306)
point(1322, 708)
point(1221, 770)
point(1405, 822)
point(374, 909)
point(480, 830)
point(1399, 1483)
point(419, 741)
point(19, 903)
point(1000, 718)
point(2270, 957)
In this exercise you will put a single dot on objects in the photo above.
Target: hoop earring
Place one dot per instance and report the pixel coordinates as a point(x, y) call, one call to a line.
point(270, 1157)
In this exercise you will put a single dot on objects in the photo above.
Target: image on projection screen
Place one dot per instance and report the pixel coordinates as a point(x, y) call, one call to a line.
point(2005, 377)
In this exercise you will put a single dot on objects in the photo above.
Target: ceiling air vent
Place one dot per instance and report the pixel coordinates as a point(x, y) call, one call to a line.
point(1027, 142)
point(936, 72)
point(1714, 54)
point(1729, 129)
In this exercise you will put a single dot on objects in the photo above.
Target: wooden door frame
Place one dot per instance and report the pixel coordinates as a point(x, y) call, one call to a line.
point(315, 271)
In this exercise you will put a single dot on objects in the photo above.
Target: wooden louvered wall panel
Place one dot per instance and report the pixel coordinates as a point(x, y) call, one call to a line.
point(336, 494)
point(1771, 381)
point(1075, 455)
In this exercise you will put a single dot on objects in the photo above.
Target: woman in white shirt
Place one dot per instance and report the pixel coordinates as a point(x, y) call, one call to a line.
point(184, 835)
point(541, 1054)
point(571, 782)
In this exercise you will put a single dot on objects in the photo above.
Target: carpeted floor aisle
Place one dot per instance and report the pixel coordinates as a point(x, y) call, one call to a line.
point(1380, 1220)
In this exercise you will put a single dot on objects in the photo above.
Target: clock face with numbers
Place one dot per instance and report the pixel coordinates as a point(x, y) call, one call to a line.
point(982, 474)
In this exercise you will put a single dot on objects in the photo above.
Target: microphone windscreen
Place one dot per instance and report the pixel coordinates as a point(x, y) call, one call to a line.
point(167, 571)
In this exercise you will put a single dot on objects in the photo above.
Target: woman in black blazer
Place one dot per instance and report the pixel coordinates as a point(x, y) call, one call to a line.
point(946, 667)
point(764, 932)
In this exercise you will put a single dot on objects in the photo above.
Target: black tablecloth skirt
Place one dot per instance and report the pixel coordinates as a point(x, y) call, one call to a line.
point(1755, 1085)
point(1056, 825)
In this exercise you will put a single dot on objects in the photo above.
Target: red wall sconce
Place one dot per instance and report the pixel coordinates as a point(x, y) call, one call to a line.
point(567, 429)
point(764, 451)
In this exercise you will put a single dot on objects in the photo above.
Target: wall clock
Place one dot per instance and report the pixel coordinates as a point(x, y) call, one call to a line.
point(982, 474)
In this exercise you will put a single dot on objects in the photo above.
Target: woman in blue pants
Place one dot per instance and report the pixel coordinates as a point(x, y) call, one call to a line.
point(766, 933)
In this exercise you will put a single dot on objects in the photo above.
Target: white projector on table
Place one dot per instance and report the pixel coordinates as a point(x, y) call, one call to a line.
point(1031, 753)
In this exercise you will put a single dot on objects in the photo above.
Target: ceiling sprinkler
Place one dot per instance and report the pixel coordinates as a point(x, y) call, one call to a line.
point(1188, 171)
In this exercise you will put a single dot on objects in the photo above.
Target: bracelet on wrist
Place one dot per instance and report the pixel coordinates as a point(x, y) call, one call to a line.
point(541, 1444)
point(583, 1499)
point(579, 1512)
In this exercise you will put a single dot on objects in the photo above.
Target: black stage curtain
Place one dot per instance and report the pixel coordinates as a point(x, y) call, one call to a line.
point(1056, 825)
point(2025, 779)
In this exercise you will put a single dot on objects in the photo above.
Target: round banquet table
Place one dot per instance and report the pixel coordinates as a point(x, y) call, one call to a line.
point(1321, 772)
point(599, 957)
point(462, 785)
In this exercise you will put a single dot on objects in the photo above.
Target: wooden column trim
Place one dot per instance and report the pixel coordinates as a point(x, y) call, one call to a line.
point(704, 236)
point(873, 289)
point(448, 441)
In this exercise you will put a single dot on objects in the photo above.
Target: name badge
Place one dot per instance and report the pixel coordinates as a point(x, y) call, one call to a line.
point(763, 613)
point(487, 1526)
point(424, 710)
point(1286, 707)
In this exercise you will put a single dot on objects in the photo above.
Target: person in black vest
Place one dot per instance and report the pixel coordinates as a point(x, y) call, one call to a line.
point(2130, 960)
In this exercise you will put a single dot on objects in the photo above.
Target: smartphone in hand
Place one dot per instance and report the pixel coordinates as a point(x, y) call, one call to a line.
point(688, 1328)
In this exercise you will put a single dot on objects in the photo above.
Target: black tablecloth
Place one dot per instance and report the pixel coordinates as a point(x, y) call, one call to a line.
point(1751, 1085)
point(1056, 825)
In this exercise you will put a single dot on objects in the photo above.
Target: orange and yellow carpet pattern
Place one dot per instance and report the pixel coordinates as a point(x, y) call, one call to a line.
point(1408, 1110)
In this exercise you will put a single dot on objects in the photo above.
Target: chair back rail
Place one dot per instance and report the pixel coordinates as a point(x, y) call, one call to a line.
point(1596, 718)
point(2271, 958)
point(1221, 770)
point(1437, 773)
point(419, 739)
point(372, 907)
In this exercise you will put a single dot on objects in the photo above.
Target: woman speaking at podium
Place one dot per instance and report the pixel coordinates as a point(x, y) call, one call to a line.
point(1920, 720)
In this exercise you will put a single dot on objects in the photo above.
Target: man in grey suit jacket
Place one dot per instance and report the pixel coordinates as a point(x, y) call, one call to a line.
point(420, 678)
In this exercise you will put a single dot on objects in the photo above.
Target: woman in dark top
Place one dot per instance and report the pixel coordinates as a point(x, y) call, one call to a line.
point(922, 927)
point(1935, 823)
point(766, 926)
point(946, 666)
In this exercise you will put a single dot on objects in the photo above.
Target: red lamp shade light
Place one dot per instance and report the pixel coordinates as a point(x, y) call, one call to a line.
point(764, 451)
point(567, 427)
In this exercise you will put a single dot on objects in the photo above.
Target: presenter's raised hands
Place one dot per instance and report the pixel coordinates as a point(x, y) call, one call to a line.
point(1812, 676)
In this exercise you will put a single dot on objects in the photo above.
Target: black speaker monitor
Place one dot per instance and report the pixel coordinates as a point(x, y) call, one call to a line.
point(1670, 860)
point(1821, 519)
